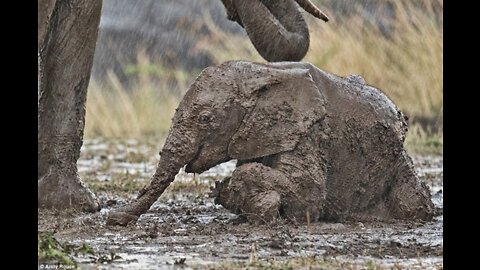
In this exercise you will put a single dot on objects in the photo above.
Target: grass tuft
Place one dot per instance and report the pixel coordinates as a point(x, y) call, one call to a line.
point(53, 252)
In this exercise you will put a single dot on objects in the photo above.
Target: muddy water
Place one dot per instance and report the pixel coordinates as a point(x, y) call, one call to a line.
point(184, 228)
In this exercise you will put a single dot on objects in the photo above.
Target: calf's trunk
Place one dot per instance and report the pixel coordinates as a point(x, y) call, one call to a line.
point(178, 150)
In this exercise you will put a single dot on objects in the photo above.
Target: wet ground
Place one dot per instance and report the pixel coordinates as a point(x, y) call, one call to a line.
point(185, 229)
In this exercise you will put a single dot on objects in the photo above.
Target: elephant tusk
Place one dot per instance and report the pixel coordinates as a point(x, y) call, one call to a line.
point(309, 7)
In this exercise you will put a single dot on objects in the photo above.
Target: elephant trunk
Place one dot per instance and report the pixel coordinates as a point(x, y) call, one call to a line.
point(312, 9)
point(276, 28)
point(178, 150)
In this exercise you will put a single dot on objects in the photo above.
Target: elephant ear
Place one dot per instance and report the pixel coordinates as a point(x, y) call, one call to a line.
point(283, 112)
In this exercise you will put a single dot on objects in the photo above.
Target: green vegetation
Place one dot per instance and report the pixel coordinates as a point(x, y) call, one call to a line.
point(51, 251)
point(407, 65)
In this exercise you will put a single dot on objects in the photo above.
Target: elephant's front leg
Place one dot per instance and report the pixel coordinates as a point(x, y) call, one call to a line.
point(251, 192)
point(262, 194)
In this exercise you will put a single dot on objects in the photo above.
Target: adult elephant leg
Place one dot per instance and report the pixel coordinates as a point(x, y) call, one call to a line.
point(276, 28)
point(67, 36)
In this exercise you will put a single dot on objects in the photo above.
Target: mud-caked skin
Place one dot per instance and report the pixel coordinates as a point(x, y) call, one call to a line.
point(310, 146)
point(67, 31)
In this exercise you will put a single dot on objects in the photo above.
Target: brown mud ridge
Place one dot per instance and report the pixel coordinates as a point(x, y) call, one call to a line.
point(185, 228)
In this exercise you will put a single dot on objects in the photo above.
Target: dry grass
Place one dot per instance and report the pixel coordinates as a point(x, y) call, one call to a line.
point(422, 141)
point(144, 110)
point(407, 65)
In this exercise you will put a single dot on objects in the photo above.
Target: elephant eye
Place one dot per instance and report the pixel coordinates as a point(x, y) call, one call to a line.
point(203, 118)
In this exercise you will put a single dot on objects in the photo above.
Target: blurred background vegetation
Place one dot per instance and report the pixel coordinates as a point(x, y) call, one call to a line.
point(149, 52)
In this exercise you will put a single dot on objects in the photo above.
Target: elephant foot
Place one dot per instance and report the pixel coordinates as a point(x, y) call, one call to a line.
point(264, 207)
point(121, 218)
point(250, 192)
point(57, 190)
point(260, 208)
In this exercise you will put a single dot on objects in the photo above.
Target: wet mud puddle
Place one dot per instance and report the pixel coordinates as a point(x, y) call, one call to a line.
point(185, 229)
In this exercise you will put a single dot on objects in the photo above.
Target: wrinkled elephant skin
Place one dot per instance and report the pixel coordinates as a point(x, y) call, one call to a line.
point(310, 146)
point(276, 28)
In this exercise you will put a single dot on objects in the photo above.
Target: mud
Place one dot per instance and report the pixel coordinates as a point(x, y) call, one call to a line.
point(184, 228)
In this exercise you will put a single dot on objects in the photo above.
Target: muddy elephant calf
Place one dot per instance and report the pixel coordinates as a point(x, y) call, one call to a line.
point(309, 144)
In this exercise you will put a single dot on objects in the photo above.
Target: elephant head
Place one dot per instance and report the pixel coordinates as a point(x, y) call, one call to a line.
point(275, 27)
point(237, 110)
